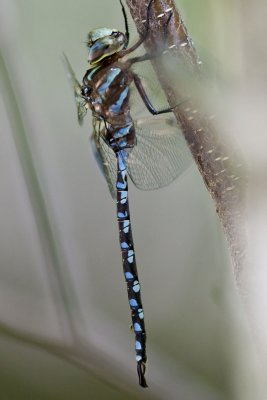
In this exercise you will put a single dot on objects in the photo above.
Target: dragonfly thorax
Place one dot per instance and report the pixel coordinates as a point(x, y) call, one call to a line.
point(103, 43)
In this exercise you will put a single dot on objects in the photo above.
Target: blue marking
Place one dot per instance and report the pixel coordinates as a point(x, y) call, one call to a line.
point(122, 161)
point(130, 256)
point(136, 287)
point(123, 198)
point(138, 345)
point(121, 181)
point(123, 174)
point(121, 185)
point(91, 72)
point(124, 246)
point(138, 358)
point(122, 143)
point(122, 214)
point(116, 107)
point(110, 78)
point(126, 225)
point(124, 154)
point(137, 327)
point(133, 303)
point(122, 131)
point(129, 276)
point(141, 313)
point(96, 47)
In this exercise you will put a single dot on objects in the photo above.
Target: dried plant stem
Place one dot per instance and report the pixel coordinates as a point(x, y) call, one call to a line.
point(220, 170)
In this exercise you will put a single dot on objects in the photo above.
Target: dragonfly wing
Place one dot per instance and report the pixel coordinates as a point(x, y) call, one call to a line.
point(160, 155)
point(105, 157)
point(80, 102)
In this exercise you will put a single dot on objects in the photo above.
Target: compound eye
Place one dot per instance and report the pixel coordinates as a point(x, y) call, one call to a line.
point(119, 36)
point(86, 91)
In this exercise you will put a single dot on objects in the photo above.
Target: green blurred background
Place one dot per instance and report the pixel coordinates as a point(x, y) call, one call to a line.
point(64, 318)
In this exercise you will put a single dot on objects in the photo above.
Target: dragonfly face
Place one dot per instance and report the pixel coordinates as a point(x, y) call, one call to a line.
point(103, 43)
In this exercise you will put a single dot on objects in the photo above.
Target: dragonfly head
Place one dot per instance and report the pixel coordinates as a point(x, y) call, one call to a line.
point(104, 42)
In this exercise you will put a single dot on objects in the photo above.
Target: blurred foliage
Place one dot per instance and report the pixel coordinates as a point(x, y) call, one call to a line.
point(63, 331)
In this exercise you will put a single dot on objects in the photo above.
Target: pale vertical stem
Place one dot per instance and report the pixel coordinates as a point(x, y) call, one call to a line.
point(220, 170)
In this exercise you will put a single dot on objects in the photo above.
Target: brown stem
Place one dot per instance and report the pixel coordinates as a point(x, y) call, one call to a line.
point(219, 167)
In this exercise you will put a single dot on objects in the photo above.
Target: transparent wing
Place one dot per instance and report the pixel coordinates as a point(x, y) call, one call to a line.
point(80, 102)
point(104, 156)
point(160, 155)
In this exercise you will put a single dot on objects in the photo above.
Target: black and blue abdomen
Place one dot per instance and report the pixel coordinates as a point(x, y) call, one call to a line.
point(106, 89)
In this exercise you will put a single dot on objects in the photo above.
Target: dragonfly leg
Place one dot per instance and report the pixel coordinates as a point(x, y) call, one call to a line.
point(144, 57)
point(146, 100)
point(127, 35)
point(165, 27)
point(143, 36)
point(159, 51)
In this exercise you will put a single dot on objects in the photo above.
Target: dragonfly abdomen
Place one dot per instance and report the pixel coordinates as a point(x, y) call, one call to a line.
point(122, 137)
point(129, 265)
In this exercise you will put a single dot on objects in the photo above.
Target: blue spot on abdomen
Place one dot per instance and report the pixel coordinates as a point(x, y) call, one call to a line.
point(138, 345)
point(136, 287)
point(129, 276)
point(133, 303)
point(137, 327)
point(122, 214)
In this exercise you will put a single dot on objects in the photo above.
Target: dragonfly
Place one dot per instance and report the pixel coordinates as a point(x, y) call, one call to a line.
point(151, 151)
